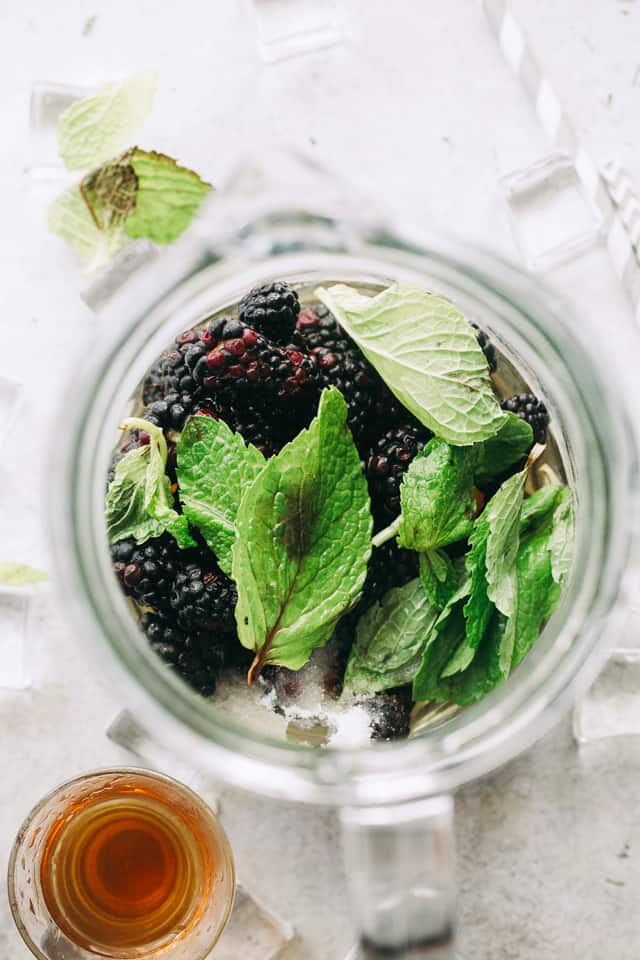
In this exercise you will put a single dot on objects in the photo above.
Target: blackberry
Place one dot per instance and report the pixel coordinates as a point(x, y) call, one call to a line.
point(341, 364)
point(146, 571)
point(390, 714)
point(172, 411)
point(388, 462)
point(530, 408)
point(203, 597)
point(389, 566)
point(170, 373)
point(234, 362)
point(487, 348)
point(266, 433)
point(272, 310)
point(195, 657)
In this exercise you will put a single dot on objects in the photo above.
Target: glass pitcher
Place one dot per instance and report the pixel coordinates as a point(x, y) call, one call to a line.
point(288, 220)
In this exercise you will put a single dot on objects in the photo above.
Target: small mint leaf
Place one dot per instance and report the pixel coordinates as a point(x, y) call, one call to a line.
point(139, 499)
point(303, 541)
point(92, 130)
point(390, 638)
point(503, 517)
point(167, 199)
point(561, 540)
point(214, 469)
point(509, 446)
point(437, 496)
point(427, 354)
point(20, 575)
point(439, 577)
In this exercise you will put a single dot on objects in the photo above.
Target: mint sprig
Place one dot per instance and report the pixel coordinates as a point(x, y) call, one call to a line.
point(303, 540)
point(390, 639)
point(428, 355)
point(214, 469)
point(139, 499)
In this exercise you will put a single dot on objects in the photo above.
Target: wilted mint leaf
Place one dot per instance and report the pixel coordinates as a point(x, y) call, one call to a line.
point(510, 445)
point(437, 496)
point(69, 218)
point(390, 638)
point(214, 469)
point(303, 540)
point(439, 577)
point(428, 355)
point(20, 575)
point(167, 198)
point(96, 128)
point(110, 191)
point(139, 499)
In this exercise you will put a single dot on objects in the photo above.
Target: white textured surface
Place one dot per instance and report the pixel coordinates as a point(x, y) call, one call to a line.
point(419, 108)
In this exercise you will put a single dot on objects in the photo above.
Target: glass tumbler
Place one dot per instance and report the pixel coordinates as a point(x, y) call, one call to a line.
point(395, 799)
point(62, 915)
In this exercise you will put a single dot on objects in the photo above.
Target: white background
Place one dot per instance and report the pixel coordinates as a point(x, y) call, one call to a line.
point(418, 108)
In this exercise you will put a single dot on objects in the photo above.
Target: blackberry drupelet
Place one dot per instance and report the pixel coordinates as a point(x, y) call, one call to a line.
point(232, 362)
point(272, 310)
point(147, 571)
point(390, 714)
point(388, 462)
point(487, 348)
point(389, 566)
point(341, 364)
point(530, 408)
point(197, 658)
point(202, 596)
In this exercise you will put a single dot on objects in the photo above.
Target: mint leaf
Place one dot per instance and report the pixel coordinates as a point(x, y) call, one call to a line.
point(110, 191)
point(139, 498)
point(437, 496)
point(510, 445)
point(538, 593)
point(167, 199)
point(69, 218)
point(439, 577)
point(427, 354)
point(446, 635)
point(95, 128)
point(20, 575)
point(503, 517)
point(390, 638)
point(561, 540)
point(214, 469)
point(303, 540)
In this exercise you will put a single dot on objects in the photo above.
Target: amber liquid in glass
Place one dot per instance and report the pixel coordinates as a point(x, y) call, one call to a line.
point(126, 868)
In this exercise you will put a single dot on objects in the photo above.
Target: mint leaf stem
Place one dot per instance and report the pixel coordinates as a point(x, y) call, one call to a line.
point(383, 536)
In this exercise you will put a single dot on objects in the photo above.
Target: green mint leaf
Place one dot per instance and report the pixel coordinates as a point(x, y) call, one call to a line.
point(538, 593)
point(437, 496)
point(509, 446)
point(69, 218)
point(446, 635)
point(561, 540)
point(95, 128)
point(428, 355)
point(20, 575)
point(439, 577)
point(214, 469)
point(503, 516)
point(539, 507)
point(390, 638)
point(139, 499)
point(303, 541)
point(167, 199)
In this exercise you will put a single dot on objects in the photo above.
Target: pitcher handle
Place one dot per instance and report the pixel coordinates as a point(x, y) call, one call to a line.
point(400, 865)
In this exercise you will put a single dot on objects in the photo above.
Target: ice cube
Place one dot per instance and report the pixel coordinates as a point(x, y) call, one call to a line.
point(553, 219)
point(253, 932)
point(48, 101)
point(14, 629)
point(287, 28)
